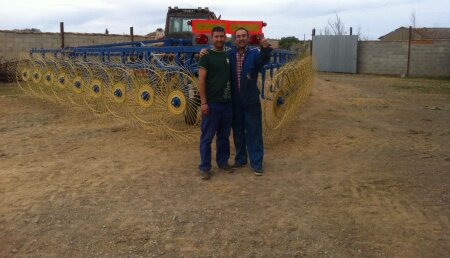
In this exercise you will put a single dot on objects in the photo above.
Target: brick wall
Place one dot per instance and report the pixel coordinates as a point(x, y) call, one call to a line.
point(16, 44)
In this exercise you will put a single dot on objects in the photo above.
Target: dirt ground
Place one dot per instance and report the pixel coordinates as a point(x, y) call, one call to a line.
point(364, 172)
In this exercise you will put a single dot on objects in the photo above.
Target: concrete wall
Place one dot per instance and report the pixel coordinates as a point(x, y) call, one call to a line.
point(381, 57)
point(15, 44)
point(428, 57)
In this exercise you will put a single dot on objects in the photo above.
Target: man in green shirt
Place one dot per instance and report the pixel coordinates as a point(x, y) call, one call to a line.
point(217, 110)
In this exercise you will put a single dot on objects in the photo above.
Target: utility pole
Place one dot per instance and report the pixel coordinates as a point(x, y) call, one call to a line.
point(312, 37)
point(132, 34)
point(61, 30)
point(409, 50)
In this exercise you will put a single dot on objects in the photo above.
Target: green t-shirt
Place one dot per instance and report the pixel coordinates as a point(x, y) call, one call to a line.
point(217, 68)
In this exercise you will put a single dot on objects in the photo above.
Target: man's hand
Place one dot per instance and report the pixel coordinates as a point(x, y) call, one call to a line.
point(205, 109)
point(264, 43)
point(203, 52)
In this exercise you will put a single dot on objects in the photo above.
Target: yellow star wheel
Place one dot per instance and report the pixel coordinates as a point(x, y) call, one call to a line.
point(95, 89)
point(118, 92)
point(176, 102)
point(145, 96)
point(77, 85)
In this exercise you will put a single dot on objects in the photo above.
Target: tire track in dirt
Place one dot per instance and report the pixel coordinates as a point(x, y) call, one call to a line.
point(389, 198)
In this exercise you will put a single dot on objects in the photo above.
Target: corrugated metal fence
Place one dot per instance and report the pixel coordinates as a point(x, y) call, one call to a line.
point(336, 53)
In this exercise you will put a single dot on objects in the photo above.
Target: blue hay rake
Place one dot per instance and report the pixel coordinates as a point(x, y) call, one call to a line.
point(151, 83)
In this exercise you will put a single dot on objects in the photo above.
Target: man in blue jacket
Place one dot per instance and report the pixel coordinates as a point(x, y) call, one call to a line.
point(245, 64)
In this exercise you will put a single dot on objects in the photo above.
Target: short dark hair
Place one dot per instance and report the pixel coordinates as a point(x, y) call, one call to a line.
point(217, 29)
point(241, 28)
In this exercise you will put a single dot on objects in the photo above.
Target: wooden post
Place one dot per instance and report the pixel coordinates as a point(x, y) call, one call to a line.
point(132, 34)
point(409, 50)
point(61, 29)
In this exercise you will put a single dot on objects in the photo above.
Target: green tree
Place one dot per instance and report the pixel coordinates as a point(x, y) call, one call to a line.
point(288, 42)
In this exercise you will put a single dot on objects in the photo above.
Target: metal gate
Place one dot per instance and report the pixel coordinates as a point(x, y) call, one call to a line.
point(336, 53)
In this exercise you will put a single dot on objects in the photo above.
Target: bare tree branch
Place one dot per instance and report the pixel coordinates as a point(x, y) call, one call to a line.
point(336, 26)
point(361, 36)
point(413, 19)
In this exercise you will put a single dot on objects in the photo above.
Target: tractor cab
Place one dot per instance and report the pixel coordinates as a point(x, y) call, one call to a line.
point(177, 21)
point(196, 24)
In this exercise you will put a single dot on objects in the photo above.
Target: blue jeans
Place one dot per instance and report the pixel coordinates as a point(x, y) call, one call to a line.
point(217, 122)
point(247, 134)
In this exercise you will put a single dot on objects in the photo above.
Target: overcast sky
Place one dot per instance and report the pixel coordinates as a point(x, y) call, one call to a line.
point(284, 17)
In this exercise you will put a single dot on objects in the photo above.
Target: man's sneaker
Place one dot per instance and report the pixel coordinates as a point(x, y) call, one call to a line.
point(227, 168)
point(205, 175)
point(235, 165)
point(258, 172)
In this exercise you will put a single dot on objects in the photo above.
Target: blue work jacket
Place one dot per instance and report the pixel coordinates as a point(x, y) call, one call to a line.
point(254, 60)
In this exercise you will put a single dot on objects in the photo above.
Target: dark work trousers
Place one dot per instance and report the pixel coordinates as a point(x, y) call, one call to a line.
point(247, 134)
point(217, 122)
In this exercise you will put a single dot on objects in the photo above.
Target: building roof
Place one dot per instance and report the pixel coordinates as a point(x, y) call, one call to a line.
point(433, 33)
point(418, 33)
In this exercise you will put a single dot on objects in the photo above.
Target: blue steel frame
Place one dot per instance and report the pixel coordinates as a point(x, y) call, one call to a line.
point(137, 54)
